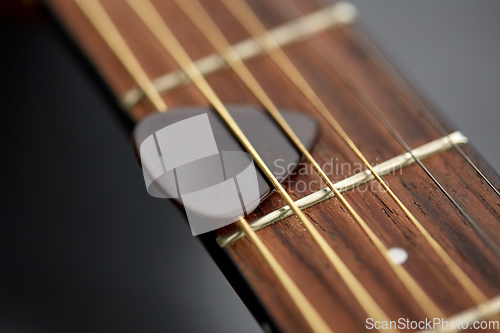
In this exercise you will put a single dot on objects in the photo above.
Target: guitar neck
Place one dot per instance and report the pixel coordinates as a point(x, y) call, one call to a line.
point(371, 103)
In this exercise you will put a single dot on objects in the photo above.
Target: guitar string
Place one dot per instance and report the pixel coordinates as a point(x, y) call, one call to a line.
point(332, 61)
point(97, 15)
point(153, 20)
point(198, 16)
point(102, 22)
point(417, 102)
point(246, 16)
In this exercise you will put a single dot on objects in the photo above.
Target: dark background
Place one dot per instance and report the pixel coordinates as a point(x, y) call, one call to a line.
point(83, 248)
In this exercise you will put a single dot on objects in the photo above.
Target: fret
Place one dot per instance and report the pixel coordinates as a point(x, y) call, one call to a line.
point(332, 16)
point(395, 163)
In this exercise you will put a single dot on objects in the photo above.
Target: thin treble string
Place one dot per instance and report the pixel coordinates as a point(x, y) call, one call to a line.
point(251, 23)
point(153, 20)
point(417, 102)
point(199, 16)
point(101, 21)
point(331, 59)
point(96, 13)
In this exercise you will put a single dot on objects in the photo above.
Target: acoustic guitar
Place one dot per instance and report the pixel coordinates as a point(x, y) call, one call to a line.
point(372, 212)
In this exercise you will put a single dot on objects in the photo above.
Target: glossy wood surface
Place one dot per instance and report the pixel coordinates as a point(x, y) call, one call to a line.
point(288, 240)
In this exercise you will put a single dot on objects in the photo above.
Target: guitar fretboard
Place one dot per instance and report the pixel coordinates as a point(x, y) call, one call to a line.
point(397, 245)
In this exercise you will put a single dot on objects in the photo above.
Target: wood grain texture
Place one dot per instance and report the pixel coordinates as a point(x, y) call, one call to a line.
point(288, 240)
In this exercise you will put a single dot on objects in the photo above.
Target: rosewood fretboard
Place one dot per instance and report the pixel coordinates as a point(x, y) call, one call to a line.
point(287, 239)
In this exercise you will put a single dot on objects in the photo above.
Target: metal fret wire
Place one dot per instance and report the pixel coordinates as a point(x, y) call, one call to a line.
point(327, 18)
point(388, 166)
point(153, 20)
point(108, 31)
point(251, 23)
point(104, 25)
point(198, 15)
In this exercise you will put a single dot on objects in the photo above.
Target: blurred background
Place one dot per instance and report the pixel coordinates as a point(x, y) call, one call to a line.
point(83, 248)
